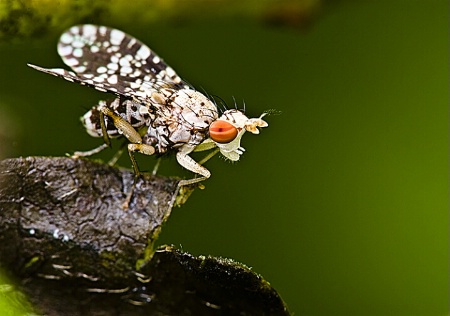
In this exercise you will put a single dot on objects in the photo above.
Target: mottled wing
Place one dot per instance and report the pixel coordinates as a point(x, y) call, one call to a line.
point(111, 61)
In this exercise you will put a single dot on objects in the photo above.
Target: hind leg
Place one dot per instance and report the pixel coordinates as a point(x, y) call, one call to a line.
point(136, 145)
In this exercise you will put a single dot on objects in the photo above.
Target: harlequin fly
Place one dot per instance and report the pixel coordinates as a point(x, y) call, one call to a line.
point(154, 109)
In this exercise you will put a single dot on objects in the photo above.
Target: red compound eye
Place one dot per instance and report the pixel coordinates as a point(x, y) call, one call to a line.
point(222, 131)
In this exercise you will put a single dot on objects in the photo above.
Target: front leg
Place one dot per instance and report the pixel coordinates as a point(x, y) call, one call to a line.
point(190, 164)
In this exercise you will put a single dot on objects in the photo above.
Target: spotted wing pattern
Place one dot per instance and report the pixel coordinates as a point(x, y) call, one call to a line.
point(111, 61)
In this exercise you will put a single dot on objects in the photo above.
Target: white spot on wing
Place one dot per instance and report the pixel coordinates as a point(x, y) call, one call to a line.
point(89, 30)
point(170, 72)
point(80, 69)
point(66, 38)
point(131, 43)
point(77, 52)
point(101, 70)
point(113, 66)
point(134, 85)
point(77, 43)
point(94, 49)
point(100, 78)
point(75, 30)
point(124, 62)
point(59, 71)
point(117, 37)
point(143, 52)
point(112, 79)
point(71, 62)
point(64, 50)
point(126, 70)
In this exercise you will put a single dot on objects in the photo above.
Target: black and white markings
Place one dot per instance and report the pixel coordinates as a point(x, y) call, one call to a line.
point(111, 61)
point(153, 109)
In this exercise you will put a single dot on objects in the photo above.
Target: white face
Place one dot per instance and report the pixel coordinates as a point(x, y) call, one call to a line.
point(228, 129)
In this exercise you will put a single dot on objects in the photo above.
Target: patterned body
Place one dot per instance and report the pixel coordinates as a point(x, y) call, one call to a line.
point(154, 109)
point(152, 94)
point(183, 117)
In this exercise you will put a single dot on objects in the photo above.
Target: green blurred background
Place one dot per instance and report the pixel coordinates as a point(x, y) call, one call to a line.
point(342, 202)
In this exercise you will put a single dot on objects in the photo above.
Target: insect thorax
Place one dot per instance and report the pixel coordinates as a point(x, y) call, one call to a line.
point(170, 118)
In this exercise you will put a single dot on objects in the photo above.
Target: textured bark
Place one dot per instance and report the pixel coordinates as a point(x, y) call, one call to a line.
point(74, 249)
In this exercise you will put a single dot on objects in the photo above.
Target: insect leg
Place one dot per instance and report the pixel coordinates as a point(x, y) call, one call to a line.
point(190, 164)
point(143, 149)
point(208, 156)
point(206, 145)
point(156, 167)
point(117, 155)
point(107, 141)
point(136, 145)
point(132, 135)
point(91, 152)
point(122, 125)
point(104, 131)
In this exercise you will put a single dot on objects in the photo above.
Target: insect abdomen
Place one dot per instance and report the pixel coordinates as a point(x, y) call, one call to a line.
point(134, 113)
